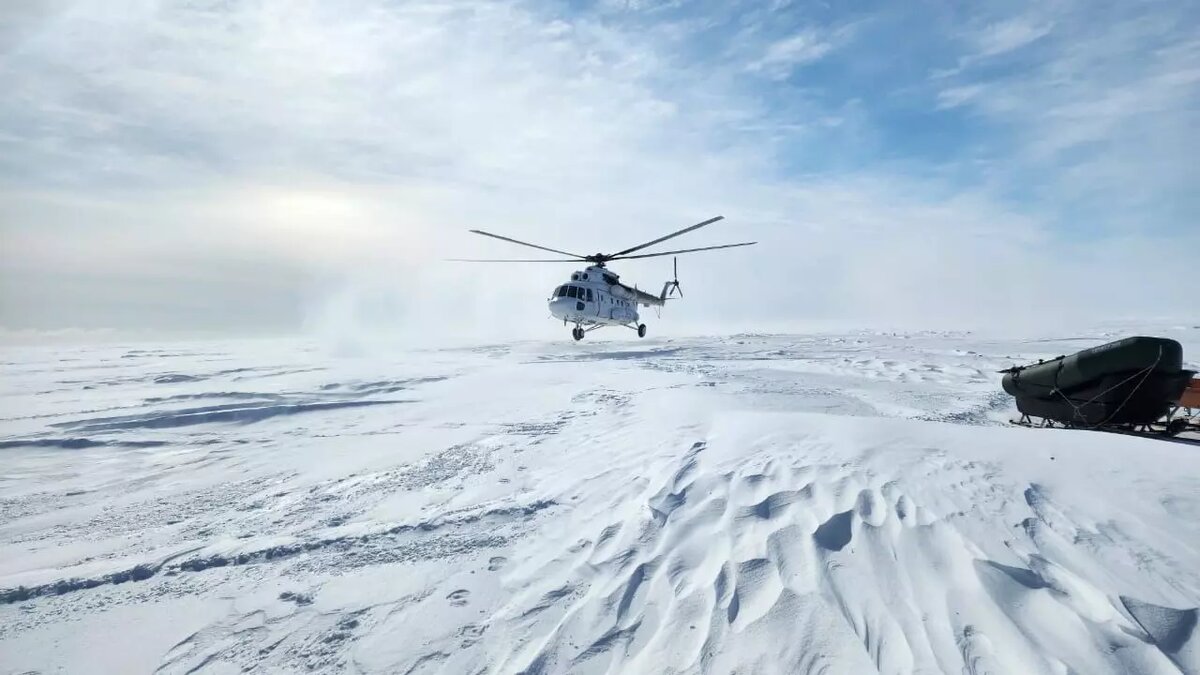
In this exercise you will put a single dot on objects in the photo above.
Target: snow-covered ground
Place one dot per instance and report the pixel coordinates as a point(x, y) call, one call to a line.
point(830, 504)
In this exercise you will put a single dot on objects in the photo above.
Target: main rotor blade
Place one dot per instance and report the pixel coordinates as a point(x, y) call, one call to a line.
point(685, 230)
point(683, 250)
point(490, 260)
point(525, 243)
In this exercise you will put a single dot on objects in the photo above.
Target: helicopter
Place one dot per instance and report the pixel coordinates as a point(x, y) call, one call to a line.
point(595, 297)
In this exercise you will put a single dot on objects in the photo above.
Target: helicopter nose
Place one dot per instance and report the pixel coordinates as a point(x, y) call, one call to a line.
point(565, 307)
point(561, 307)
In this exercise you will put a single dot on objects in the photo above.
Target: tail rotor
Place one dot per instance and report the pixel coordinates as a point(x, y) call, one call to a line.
point(675, 282)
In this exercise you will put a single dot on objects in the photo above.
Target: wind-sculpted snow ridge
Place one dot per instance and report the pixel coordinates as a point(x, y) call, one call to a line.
point(757, 503)
point(821, 547)
point(365, 546)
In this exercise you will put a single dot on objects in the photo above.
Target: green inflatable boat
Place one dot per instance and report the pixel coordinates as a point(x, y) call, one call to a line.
point(1130, 381)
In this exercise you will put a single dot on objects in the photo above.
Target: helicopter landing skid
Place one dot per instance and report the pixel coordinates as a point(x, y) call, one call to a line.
point(579, 331)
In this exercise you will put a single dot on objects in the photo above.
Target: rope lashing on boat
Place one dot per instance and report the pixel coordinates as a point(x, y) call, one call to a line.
point(1144, 373)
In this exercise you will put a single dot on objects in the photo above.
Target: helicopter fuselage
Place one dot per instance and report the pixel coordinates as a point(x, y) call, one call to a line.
point(595, 296)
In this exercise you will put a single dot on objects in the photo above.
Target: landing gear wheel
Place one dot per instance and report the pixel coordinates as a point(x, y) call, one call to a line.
point(577, 333)
point(641, 330)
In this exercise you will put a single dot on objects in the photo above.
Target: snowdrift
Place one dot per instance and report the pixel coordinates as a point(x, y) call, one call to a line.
point(769, 504)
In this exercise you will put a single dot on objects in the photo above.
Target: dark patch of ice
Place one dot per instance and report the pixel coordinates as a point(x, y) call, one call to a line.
point(215, 394)
point(614, 356)
point(835, 533)
point(63, 586)
point(75, 443)
point(174, 378)
point(1026, 578)
point(298, 598)
point(1170, 628)
point(235, 413)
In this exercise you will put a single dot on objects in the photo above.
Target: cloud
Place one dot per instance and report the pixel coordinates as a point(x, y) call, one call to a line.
point(264, 166)
point(422, 90)
point(784, 56)
point(954, 97)
point(995, 40)
point(1100, 116)
point(1009, 35)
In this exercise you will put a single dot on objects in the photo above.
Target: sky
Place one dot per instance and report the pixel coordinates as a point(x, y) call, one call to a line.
point(209, 167)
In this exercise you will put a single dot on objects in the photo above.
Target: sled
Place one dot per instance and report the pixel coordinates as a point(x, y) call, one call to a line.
point(1136, 386)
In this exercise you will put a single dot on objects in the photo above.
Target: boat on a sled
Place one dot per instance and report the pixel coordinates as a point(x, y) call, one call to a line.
point(1137, 384)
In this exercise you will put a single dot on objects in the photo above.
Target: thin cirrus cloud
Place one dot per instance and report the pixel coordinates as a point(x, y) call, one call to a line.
point(1098, 113)
point(273, 166)
point(953, 97)
point(1005, 36)
point(783, 56)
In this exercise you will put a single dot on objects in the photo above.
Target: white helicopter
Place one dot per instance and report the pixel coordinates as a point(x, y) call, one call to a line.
point(595, 296)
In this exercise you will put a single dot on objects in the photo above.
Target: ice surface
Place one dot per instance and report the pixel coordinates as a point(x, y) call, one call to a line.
point(772, 504)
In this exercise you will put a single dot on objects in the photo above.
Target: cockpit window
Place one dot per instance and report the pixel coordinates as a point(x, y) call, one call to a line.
point(589, 295)
point(571, 292)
